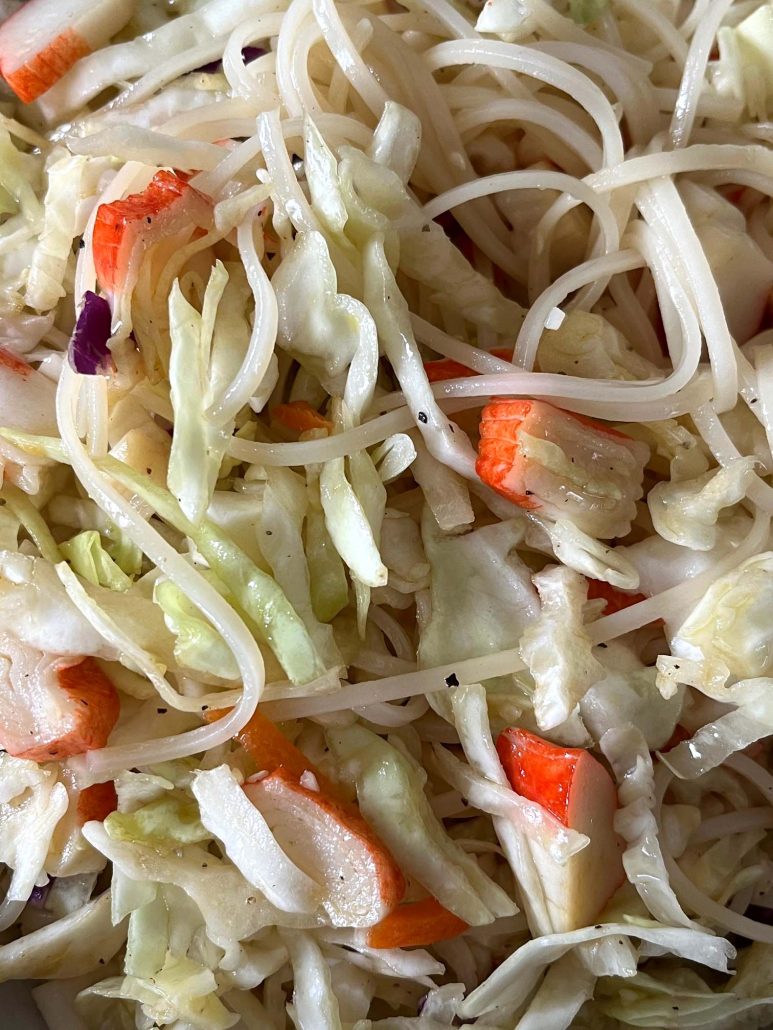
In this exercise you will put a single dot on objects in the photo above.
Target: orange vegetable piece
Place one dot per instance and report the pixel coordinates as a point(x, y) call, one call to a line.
point(447, 368)
point(416, 925)
point(616, 600)
point(96, 802)
point(269, 748)
point(300, 417)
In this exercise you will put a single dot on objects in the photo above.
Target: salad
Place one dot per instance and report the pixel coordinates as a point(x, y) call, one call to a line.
point(386, 568)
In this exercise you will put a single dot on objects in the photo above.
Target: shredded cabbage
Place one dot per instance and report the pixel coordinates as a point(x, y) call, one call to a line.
point(557, 649)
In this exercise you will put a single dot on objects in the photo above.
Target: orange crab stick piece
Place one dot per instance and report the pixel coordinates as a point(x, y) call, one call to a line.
point(52, 708)
point(332, 843)
point(566, 465)
point(300, 417)
point(416, 925)
point(44, 39)
point(125, 228)
point(574, 787)
point(322, 833)
point(447, 368)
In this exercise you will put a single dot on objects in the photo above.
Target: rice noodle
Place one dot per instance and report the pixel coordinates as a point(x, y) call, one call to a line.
point(526, 180)
point(534, 113)
point(704, 906)
point(660, 203)
point(394, 688)
point(633, 90)
point(685, 108)
point(525, 352)
point(544, 68)
point(754, 773)
point(733, 822)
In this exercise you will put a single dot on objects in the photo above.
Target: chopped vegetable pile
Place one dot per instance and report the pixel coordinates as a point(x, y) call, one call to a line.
point(386, 481)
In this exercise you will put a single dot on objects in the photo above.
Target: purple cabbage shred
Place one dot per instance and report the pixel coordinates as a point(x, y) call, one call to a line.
point(249, 53)
point(88, 351)
point(39, 894)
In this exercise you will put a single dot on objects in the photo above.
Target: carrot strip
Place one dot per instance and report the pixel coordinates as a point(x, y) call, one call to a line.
point(616, 600)
point(270, 749)
point(416, 925)
point(448, 368)
point(300, 417)
point(96, 802)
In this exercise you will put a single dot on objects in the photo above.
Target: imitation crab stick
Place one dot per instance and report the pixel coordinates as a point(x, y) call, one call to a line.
point(447, 368)
point(565, 465)
point(580, 793)
point(124, 228)
point(416, 925)
point(323, 834)
point(52, 707)
point(300, 417)
point(333, 844)
point(44, 39)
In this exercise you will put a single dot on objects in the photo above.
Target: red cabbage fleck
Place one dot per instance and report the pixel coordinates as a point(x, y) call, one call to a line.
point(88, 351)
point(40, 894)
point(249, 53)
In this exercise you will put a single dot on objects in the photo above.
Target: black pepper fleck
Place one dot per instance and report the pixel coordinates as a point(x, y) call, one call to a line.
point(423, 418)
point(452, 681)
